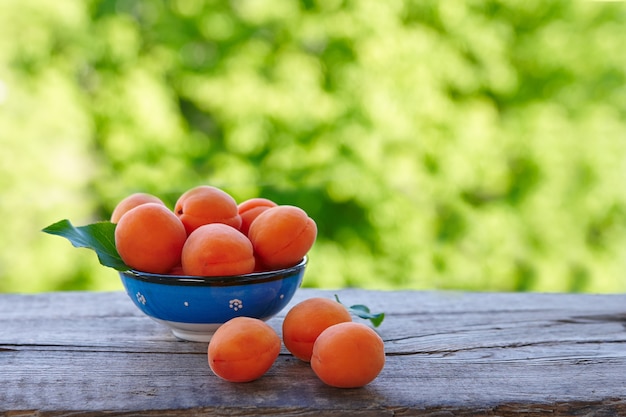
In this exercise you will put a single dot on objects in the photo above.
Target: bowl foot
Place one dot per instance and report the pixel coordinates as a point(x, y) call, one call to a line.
point(192, 336)
point(192, 332)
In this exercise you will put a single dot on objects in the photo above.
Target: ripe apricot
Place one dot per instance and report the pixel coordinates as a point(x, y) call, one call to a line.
point(243, 349)
point(177, 270)
point(282, 235)
point(131, 202)
point(150, 238)
point(217, 250)
point(348, 355)
point(306, 320)
point(250, 209)
point(204, 205)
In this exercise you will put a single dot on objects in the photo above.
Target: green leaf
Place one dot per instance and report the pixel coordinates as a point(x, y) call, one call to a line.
point(99, 237)
point(363, 312)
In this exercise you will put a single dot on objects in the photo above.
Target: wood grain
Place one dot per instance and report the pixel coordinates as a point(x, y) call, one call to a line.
point(469, 354)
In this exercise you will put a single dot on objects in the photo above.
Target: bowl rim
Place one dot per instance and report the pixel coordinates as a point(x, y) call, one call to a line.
point(227, 280)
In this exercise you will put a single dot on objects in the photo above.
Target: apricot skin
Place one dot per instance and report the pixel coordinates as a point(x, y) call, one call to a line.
point(150, 238)
point(243, 349)
point(250, 209)
point(204, 205)
point(131, 202)
point(282, 235)
point(307, 320)
point(217, 250)
point(348, 355)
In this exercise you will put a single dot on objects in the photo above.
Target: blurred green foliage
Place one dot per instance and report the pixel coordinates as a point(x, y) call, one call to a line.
point(473, 145)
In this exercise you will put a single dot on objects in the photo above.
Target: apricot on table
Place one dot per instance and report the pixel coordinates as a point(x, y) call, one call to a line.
point(150, 238)
point(216, 249)
point(282, 235)
point(243, 349)
point(131, 202)
point(307, 320)
point(250, 209)
point(348, 355)
point(206, 204)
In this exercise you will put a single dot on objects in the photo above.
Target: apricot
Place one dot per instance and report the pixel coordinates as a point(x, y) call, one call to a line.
point(282, 235)
point(217, 250)
point(306, 320)
point(250, 209)
point(131, 202)
point(204, 205)
point(150, 238)
point(243, 349)
point(348, 355)
point(177, 270)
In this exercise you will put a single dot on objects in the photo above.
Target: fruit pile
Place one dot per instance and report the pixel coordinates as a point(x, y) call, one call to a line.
point(209, 234)
point(342, 353)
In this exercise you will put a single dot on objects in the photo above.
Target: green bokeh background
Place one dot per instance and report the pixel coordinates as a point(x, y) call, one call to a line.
point(475, 145)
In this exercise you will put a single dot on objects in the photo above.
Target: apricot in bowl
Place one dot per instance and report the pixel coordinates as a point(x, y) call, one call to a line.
point(194, 307)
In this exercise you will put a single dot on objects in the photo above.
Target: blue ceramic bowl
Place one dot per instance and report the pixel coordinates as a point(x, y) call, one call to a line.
point(194, 307)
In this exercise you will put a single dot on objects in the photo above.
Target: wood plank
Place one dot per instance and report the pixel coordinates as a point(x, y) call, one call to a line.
point(84, 353)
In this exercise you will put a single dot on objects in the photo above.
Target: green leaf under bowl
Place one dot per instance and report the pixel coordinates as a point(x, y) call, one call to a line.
point(363, 312)
point(99, 237)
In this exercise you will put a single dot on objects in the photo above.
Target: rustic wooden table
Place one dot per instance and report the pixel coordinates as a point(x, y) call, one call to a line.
point(87, 354)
